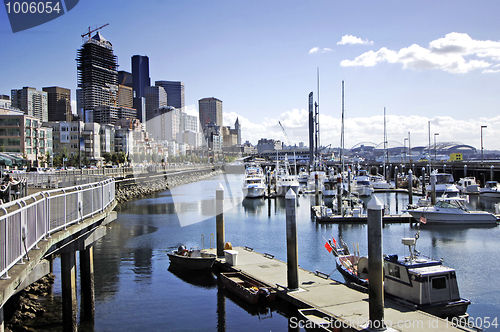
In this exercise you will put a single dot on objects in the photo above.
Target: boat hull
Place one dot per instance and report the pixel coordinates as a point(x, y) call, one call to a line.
point(248, 288)
point(444, 217)
point(192, 263)
point(254, 192)
point(282, 190)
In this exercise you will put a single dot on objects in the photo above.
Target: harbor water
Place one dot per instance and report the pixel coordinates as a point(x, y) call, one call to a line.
point(137, 289)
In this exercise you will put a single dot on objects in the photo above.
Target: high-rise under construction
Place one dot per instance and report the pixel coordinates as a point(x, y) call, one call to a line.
point(97, 74)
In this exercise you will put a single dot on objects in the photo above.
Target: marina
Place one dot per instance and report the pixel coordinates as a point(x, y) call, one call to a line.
point(137, 285)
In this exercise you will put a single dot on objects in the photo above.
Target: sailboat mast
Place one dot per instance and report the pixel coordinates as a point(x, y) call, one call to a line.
point(386, 152)
point(342, 131)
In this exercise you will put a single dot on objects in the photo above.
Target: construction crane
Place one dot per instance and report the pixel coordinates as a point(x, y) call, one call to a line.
point(289, 144)
point(90, 31)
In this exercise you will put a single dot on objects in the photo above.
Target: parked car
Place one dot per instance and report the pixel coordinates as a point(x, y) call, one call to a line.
point(35, 170)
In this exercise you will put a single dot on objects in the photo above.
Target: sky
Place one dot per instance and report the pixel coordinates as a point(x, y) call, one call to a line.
point(425, 62)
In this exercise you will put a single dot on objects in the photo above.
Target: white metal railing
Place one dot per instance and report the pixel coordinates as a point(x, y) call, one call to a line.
point(26, 221)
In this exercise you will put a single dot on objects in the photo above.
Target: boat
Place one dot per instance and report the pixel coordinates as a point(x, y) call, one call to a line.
point(311, 182)
point(491, 190)
point(351, 205)
point(468, 185)
point(445, 185)
point(379, 183)
point(362, 184)
point(319, 320)
point(193, 259)
point(415, 281)
point(254, 184)
point(452, 210)
point(303, 176)
point(329, 186)
point(285, 181)
point(247, 287)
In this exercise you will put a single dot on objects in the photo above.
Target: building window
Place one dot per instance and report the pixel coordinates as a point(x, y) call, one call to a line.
point(28, 141)
point(28, 151)
point(74, 137)
point(28, 123)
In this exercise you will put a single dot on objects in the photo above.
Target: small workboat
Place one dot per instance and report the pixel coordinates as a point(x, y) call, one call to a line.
point(247, 287)
point(415, 281)
point(193, 259)
point(468, 185)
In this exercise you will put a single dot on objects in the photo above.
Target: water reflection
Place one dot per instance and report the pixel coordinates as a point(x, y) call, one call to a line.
point(202, 279)
point(253, 205)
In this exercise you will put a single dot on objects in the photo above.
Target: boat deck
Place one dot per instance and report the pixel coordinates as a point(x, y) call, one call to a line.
point(346, 305)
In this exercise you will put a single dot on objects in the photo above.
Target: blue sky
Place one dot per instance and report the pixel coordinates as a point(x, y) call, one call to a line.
point(424, 61)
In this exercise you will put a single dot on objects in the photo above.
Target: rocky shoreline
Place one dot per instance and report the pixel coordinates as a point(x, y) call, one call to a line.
point(35, 309)
point(148, 187)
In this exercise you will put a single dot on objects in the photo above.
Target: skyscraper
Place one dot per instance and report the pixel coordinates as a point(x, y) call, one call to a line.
point(97, 74)
point(156, 98)
point(210, 110)
point(140, 74)
point(140, 80)
point(175, 92)
point(59, 103)
point(31, 101)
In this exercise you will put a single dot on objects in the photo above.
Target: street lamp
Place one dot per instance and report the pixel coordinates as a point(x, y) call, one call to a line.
point(435, 154)
point(482, 142)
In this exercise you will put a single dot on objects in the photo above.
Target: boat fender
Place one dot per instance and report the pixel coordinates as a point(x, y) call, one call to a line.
point(264, 292)
point(228, 246)
point(185, 252)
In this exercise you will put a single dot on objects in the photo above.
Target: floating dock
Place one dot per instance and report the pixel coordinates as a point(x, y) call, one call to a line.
point(363, 219)
point(347, 307)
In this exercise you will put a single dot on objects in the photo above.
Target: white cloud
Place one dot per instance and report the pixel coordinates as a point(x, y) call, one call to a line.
point(350, 39)
point(369, 129)
point(455, 53)
point(319, 50)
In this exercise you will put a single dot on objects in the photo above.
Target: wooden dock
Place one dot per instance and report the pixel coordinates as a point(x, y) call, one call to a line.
point(348, 307)
point(363, 219)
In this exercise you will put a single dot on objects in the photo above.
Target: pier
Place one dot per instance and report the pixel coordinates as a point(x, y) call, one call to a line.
point(348, 306)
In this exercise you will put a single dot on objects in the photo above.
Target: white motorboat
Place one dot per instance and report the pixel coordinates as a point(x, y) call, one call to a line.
point(285, 180)
point(362, 184)
point(311, 182)
point(491, 190)
point(254, 184)
point(445, 185)
point(452, 210)
point(468, 185)
point(329, 187)
point(303, 176)
point(379, 183)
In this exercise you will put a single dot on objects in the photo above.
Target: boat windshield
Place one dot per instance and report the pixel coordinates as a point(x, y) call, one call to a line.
point(491, 184)
point(451, 204)
point(444, 178)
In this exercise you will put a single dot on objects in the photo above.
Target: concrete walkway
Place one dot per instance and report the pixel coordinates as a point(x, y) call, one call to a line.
point(348, 306)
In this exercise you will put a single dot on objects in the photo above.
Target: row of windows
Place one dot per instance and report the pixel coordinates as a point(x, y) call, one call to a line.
point(10, 141)
point(10, 122)
point(10, 132)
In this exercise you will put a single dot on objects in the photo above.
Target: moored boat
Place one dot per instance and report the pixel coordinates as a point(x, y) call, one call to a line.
point(362, 184)
point(193, 259)
point(416, 281)
point(468, 185)
point(452, 210)
point(444, 186)
point(254, 185)
point(247, 287)
point(491, 190)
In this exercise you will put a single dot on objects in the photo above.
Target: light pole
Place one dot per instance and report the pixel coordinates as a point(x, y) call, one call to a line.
point(482, 142)
point(435, 153)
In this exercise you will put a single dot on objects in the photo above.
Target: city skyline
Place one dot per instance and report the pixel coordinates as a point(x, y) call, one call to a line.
point(424, 62)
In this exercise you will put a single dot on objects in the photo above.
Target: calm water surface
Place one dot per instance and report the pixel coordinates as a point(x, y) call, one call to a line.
point(136, 289)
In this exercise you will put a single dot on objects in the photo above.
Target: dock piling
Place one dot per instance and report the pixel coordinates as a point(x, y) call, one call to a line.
point(339, 195)
point(68, 282)
point(291, 241)
point(375, 266)
point(433, 189)
point(219, 219)
point(410, 186)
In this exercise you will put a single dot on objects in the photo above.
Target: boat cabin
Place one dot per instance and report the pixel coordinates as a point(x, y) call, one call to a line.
point(421, 281)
